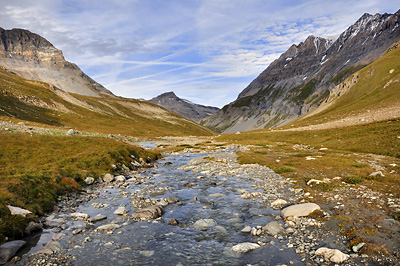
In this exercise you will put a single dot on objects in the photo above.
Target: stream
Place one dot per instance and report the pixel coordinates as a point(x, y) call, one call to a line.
point(209, 185)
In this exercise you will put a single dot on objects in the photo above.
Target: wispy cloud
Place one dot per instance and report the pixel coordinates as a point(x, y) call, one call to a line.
point(205, 50)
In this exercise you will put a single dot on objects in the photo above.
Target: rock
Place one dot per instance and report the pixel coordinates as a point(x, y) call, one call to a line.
point(273, 228)
point(246, 229)
point(57, 237)
point(204, 224)
point(217, 195)
point(71, 132)
point(278, 203)
point(377, 173)
point(221, 229)
point(121, 211)
point(18, 211)
point(8, 250)
point(33, 227)
point(108, 227)
point(333, 255)
point(51, 221)
point(89, 180)
point(172, 200)
point(147, 253)
point(314, 181)
point(148, 213)
point(79, 216)
point(173, 222)
point(108, 178)
point(299, 210)
point(245, 247)
point(97, 218)
point(120, 178)
point(77, 231)
point(356, 248)
point(54, 246)
point(246, 195)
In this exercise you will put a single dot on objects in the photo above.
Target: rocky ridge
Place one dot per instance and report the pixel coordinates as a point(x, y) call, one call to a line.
point(302, 77)
point(33, 57)
point(185, 108)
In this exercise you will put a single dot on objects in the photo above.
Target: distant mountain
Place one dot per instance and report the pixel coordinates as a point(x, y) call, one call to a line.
point(33, 57)
point(183, 107)
point(303, 77)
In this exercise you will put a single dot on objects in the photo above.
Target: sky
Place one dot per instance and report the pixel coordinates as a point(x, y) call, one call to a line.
point(206, 51)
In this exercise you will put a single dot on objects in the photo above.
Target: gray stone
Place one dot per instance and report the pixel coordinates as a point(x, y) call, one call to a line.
point(8, 250)
point(97, 218)
point(71, 132)
point(33, 227)
point(108, 227)
point(121, 211)
point(278, 203)
point(204, 224)
point(356, 248)
point(108, 178)
point(273, 228)
point(245, 247)
point(79, 216)
point(51, 221)
point(246, 229)
point(18, 211)
point(148, 213)
point(53, 246)
point(299, 210)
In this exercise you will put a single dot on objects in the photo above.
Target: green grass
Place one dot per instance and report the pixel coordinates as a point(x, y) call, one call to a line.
point(35, 170)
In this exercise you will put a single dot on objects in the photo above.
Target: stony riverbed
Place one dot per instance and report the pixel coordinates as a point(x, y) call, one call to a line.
point(194, 207)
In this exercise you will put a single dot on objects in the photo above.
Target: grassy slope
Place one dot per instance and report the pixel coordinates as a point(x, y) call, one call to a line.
point(105, 115)
point(368, 94)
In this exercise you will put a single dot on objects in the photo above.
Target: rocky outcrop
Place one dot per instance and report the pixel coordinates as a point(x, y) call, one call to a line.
point(303, 77)
point(33, 57)
point(185, 108)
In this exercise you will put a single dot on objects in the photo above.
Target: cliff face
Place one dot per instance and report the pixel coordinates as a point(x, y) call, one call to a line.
point(302, 77)
point(33, 57)
point(185, 108)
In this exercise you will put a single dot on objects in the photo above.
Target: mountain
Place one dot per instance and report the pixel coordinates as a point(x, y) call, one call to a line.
point(303, 77)
point(183, 107)
point(33, 57)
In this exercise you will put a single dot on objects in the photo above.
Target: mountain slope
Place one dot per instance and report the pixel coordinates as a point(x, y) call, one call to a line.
point(43, 103)
point(302, 77)
point(33, 57)
point(185, 108)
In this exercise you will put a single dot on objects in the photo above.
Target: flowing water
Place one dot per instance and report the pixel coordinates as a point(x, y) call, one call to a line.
point(156, 242)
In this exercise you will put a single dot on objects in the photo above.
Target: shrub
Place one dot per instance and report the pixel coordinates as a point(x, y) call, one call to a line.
point(285, 169)
point(354, 180)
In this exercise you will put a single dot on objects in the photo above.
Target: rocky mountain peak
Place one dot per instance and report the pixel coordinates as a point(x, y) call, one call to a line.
point(33, 57)
point(302, 77)
point(185, 108)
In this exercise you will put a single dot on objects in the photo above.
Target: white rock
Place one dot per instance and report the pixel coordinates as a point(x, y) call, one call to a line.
point(309, 158)
point(121, 211)
point(89, 180)
point(79, 216)
point(312, 181)
point(246, 195)
point(18, 211)
point(278, 203)
point(108, 178)
point(245, 247)
point(147, 253)
point(333, 255)
point(299, 210)
point(377, 173)
point(120, 178)
point(246, 229)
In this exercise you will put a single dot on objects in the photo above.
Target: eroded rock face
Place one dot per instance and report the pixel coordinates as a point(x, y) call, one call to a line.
point(33, 57)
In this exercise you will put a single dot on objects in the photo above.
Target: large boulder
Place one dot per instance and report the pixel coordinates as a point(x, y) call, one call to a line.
point(333, 255)
point(33, 227)
point(299, 210)
point(8, 250)
point(148, 213)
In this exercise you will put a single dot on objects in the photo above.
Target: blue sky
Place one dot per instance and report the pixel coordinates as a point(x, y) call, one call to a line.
point(205, 51)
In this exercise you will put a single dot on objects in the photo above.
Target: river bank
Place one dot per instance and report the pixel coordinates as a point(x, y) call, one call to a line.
point(210, 204)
